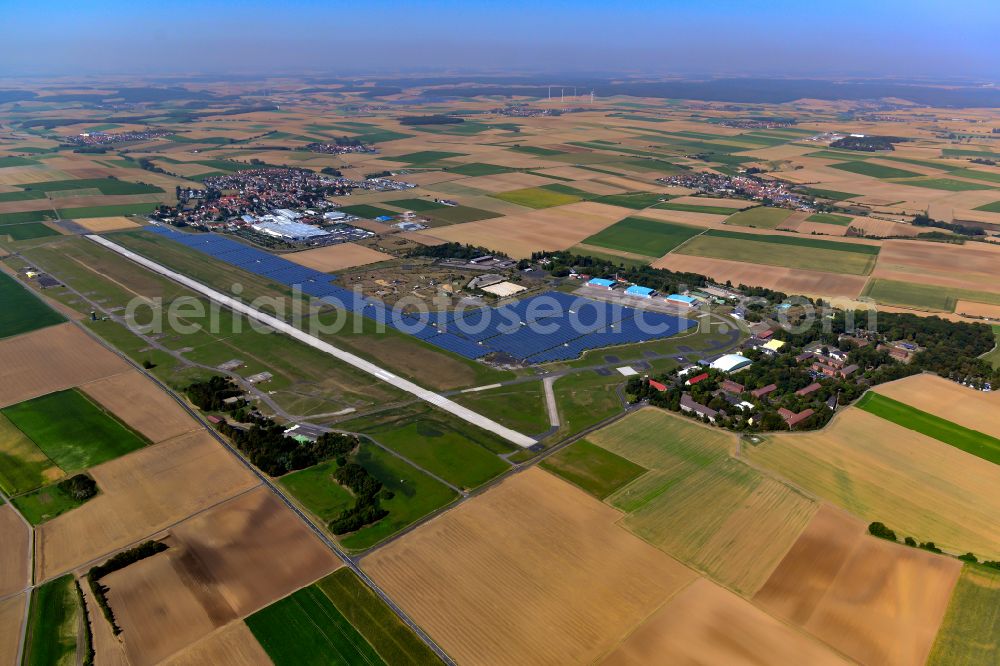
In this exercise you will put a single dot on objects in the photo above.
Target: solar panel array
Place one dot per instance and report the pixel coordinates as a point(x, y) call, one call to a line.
point(548, 327)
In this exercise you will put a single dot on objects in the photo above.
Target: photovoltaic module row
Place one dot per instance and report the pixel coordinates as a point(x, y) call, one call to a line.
point(548, 327)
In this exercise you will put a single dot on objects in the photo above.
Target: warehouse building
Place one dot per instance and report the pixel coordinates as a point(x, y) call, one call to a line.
point(681, 299)
point(730, 363)
point(601, 283)
point(640, 292)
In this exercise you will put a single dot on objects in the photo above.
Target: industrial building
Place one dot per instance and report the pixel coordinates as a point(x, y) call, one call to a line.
point(640, 292)
point(681, 299)
point(730, 363)
point(290, 231)
point(601, 283)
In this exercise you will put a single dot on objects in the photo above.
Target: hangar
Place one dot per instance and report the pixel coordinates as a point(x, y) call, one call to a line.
point(730, 363)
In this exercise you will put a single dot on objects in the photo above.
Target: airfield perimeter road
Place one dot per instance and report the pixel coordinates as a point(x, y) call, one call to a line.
point(444, 403)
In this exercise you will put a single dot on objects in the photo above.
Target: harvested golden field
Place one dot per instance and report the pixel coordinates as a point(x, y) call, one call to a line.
point(977, 309)
point(11, 615)
point(876, 601)
point(19, 175)
point(99, 225)
point(788, 280)
point(533, 558)
point(223, 564)
point(707, 624)
point(698, 504)
point(971, 266)
point(233, 645)
point(15, 569)
point(880, 471)
point(141, 494)
point(875, 227)
point(804, 227)
point(949, 400)
point(519, 235)
point(107, 648)
point(503, 182)
point(337, 257)
point(141, 404)
point(52, 359)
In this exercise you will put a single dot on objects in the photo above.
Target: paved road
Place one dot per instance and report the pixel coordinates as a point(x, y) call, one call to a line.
point(376, 371)
point(550, 401)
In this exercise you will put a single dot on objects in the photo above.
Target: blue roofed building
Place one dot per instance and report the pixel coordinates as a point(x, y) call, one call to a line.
point(641, 292)
point(601, 283)
point(681, 299)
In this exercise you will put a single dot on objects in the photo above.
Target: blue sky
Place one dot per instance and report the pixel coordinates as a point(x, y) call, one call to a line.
point(922, 38)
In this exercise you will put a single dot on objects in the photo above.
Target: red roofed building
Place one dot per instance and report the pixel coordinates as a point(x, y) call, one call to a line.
point(765, 335)
point(699, 378)
point(793, 419)
point(764, 390)
point(657, 385)
point(730, 386)
point(809, 389)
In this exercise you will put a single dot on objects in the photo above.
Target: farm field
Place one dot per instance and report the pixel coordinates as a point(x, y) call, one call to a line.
point(28, 231)
point(880, 471)
point(337, 257)
point(875, 601)
point(830, 218)
point(141, 405)
point(15, 571)
point(698, 504)
point(25, 466)
point(874, 170)
point(11, 614)
point(761, 217)
point(537, 197)
point(593, 468)
point(946, 399)
point(788, 251)
point(221, 564)
point(73, 431)
point(968, 440)
point(923, 296)
point(499, 565)
point(518, 406)
point(233, 645)
point(696, 208)
point(53, 624)
point(22, 311)
point(686, 628)
point(140, 494)
point(643, 236)
point(970, 633)
point(29, 360)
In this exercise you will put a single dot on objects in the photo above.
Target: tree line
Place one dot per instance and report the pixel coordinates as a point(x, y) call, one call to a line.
point(116, 563)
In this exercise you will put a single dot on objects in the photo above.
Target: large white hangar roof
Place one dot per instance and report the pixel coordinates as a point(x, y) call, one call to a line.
point(730, 362)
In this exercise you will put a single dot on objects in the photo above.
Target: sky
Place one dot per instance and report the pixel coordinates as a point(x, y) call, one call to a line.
point(912, 38)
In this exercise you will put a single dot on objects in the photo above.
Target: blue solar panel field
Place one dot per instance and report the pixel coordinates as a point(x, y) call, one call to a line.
point(541, 329)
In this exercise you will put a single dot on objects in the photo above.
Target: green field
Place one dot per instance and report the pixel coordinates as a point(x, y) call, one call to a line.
point(416, 495)
point(832, 195)
point(367, 212)
point(27, 216)
point(517, 406)
point(971, 441)
point(22, 311)
point(52, 624)
point(104, 185)
point(993, 357)
point(306, 628)
point(650, 238)
point(72, 431)
point(962, 152)
point(458, 214)
point(697, 503)
point(416, 205)
point(107, 211)
point(479, 169)
point(394, 641)
point(536, 151)
point(45, 504)
point(874, 170)
point(13, 161)
point(696, 208)
point(789, 251)
point(761, 217)
point(633, 200)
point(923, 296)
point(27, 231)
point(317, 490)
point(536, 197)
point(831, 218)
point(970, 632)
point(21, 196)
point(23, 466)
point(990, 207)
point(594, 469)
point(976, 174)
point(946, 184)
point(459, 453)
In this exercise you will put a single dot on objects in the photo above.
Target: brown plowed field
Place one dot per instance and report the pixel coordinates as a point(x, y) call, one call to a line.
point(337, 257)
point(144, 406)
point(11, 614)
point(52, 359)
point(970, 266)
point(233, 645)
point(707, 624)
point(141, 493)
point(222, 564)
point(533, 571)
point(14, 566)
point(877, 602)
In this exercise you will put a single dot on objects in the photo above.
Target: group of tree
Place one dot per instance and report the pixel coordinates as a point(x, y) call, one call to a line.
point(80, 487)
point(211, 395)
point(925, 220)
point(878, 529)
point(454, 251)
point(267, 446)
point(116, 563)
point(867, 143)
point(562, 263)
point(368, 492)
